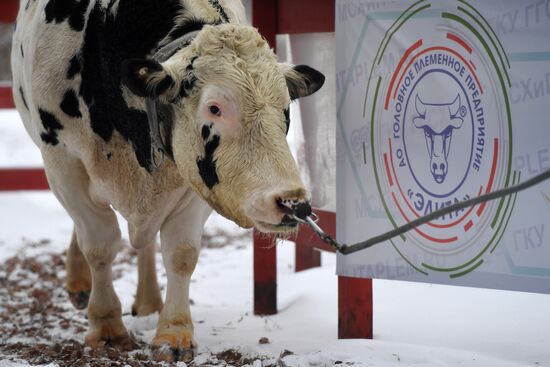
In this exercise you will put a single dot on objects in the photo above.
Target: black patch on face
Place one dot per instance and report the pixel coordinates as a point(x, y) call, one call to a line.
point(75, 66)
point(22, 53)
point(71, 10)
point(23, 98)
point(207, 164)
point(51, 125)
point(205, 132)
point(220, 10)
point(109, 156)
point(134, 32)
point(69, 105)
point(188, 83)
point(287, 118)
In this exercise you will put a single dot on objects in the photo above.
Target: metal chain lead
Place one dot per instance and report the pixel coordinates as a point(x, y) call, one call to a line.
point(345, 249)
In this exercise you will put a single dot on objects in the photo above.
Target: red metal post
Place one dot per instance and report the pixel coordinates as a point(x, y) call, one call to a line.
point(265, 17)
point(8, 15)
point(8, 11)
point(307, 257)
point(308, 243)
point(354, 308)
point(18, 179)
point(6, 98)
point(265, 275)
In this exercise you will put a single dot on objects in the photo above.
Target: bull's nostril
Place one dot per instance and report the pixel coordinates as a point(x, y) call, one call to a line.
point(283, 208)
point(434, 166)
point(442, 167)
point(302, 210)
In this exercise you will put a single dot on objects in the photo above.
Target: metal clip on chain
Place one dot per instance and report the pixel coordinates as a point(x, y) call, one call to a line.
point(312, 219)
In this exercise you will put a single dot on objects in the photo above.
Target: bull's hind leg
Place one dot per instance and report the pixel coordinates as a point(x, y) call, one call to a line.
point(79, 278)
point(99, 239)
point(148, 299)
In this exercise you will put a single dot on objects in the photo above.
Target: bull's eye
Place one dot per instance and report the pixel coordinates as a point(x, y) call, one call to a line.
point(215, 110)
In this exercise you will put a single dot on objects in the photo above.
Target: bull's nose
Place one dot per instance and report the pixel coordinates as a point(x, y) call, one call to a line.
point(298, 208)
point(278, 210)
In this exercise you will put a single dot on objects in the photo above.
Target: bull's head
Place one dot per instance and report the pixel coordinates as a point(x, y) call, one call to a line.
point(438, 122)
point(229, 98)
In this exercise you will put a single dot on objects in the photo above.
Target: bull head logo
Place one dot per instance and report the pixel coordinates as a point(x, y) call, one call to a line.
point(438, 122)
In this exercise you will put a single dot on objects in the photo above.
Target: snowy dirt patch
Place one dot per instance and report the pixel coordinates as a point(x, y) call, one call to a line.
point(39, 325)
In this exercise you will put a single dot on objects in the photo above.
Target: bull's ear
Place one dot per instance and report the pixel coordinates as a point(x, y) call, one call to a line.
point(145, 78)
point(302, 80)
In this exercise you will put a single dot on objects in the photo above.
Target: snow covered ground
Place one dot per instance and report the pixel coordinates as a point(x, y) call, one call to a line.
point(414, 324)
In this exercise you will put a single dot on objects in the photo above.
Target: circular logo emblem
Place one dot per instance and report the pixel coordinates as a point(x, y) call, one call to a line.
point(441, 127)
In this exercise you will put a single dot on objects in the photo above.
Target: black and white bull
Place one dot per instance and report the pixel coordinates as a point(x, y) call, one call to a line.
point(82, 72)
point(438, 122)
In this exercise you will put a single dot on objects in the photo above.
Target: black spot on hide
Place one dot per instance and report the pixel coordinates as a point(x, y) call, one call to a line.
point(22, 53)
point(69, 105)
point(71, 10)
point(75, 66)
point(220, 10)
point(134, 32)
point(23, 98)
point(109, 156)
point(51, 125)
point(287, 118)
point(207, 164)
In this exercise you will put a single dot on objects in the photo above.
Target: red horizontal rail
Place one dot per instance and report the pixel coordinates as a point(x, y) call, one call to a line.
point(274, 17)
point(20, 179)
point(305, 16)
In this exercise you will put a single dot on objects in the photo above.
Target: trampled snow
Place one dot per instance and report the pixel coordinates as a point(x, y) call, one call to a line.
point(414, 324)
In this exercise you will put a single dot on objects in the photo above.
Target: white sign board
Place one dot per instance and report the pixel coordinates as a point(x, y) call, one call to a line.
point(440, 101)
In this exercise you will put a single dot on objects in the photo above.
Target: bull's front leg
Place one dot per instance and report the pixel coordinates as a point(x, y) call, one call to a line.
point(180, 243)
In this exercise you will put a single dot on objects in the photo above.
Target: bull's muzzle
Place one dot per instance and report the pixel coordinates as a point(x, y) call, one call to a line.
point(276, 211)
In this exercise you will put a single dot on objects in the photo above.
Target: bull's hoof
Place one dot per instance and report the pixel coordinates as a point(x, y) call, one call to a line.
point(174, 348)
point(79, 299)
point(109, 336)
point(140, 309)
